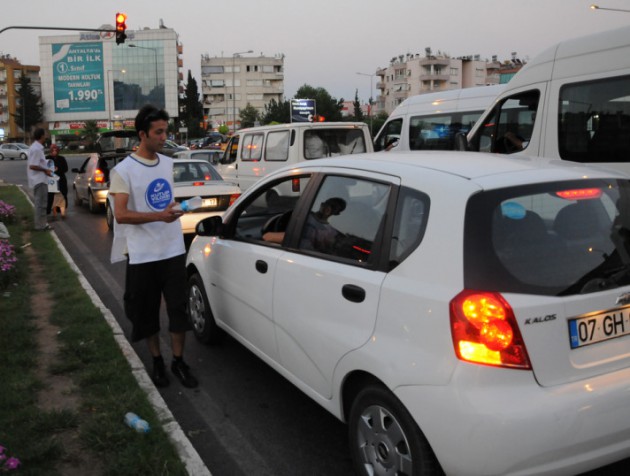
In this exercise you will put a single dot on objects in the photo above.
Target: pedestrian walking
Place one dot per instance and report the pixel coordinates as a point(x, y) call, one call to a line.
point(148, 234)
point(37, 174)
point(60, 169)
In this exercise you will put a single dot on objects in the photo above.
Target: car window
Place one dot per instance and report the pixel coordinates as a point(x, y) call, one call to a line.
point(323, 142)
point(594, 121)
point(410, 223)
point(194, 171)
point(268, 212)
point(437, 132)
point(345, 218)
point(251, 148)
point(553, 239)
point(277, 147)
point(231, 150)
point(390, 132)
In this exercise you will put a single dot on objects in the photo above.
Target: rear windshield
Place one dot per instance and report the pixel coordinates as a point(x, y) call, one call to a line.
point(554, 239)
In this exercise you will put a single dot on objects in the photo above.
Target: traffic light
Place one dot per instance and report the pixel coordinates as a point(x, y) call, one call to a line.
point(121, 26)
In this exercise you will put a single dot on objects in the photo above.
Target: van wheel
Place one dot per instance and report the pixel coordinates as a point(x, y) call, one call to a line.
point(199, 313)
point(384, 438)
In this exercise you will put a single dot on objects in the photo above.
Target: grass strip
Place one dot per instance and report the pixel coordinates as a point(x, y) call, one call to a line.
point(88, 355)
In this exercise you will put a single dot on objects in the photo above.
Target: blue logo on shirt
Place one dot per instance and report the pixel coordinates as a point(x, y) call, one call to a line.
point(159, 194)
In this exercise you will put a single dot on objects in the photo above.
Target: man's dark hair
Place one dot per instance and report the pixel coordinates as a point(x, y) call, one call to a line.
point(39, 133)
point(148, 114)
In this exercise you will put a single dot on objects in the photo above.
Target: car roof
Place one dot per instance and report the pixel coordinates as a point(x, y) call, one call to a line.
point(487, 170)
point(305, 125)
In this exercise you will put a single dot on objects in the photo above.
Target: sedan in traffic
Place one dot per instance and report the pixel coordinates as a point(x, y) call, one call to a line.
point(460, 312)
point(194, 178)
point(13, 151)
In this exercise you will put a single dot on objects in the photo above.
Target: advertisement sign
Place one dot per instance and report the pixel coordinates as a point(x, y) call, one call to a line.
point(302, 110)
point(78, 77)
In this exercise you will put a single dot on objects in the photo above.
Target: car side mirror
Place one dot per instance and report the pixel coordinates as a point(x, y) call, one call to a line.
point(211, 226)
point(461, 142)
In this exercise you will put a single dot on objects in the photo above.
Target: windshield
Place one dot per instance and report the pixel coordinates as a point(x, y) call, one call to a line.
point(552, 239)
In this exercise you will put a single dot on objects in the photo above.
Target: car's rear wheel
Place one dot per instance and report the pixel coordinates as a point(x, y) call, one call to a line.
point(23, 156)
point(93, 205)
point(384, 438)
point(1, 157)
point(204, 326)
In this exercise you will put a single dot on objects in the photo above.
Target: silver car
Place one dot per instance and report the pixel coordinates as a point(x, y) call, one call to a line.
point(13, 151)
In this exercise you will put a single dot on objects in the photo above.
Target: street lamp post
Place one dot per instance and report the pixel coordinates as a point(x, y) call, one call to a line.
point(156, 59)
point(110, 94)
point(234, 55)
point(371, 98)
point(597, 7)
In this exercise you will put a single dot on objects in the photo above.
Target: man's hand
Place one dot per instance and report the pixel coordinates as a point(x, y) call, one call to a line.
point(170, 214)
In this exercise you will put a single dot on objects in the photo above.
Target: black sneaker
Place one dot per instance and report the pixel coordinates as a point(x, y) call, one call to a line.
point(159, 373)
point(182, 372)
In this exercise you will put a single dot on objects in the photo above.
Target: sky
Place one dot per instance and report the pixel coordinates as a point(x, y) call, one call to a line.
point(325, 43)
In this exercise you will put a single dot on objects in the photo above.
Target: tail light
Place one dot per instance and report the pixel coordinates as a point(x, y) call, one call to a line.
point(233, 197)
point(485, 331)
point(99, 176)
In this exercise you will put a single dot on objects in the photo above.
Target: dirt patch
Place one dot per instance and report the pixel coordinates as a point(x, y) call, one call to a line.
point(59, 392)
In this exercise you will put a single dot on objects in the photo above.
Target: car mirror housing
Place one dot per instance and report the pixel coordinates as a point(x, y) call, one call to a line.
point(211, 226)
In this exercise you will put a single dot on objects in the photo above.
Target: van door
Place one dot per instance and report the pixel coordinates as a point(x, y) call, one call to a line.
point(249, 165)
point(227, 166)
point(515, 124)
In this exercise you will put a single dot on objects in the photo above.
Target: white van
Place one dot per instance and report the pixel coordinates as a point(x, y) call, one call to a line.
point(430, 121)
point(253, 153)
point(571, 102)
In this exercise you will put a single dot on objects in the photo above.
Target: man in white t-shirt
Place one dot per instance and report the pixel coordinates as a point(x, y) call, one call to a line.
point(37, 174)
point(148, 234)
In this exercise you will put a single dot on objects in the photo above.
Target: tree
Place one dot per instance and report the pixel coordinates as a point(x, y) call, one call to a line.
point(326, 106)
point(29, 110)
point(358, 112)
point(192, 114)
point(90, 132)
point(249, 116)
point(279, 112)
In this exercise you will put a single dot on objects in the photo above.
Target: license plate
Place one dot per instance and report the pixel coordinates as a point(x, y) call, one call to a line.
point(599, 327)
point(209, 202)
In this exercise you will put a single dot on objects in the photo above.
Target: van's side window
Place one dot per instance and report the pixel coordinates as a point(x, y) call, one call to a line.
point(230, 151)
point(508, 128)
point(390, 131)
point(437, 132)
point(252, 146)
point(594, 121)
point(277, 146)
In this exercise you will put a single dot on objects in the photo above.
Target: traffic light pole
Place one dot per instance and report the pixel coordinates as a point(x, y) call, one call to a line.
point(54, 28)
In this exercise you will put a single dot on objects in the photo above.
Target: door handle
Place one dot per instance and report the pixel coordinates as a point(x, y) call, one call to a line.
point(353, 293)
point(261, 266)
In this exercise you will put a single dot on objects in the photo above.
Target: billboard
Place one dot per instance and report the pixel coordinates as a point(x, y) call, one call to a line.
point(78, 81)
point(302, 110)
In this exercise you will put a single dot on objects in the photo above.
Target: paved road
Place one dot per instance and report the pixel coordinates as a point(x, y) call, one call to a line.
point(244, 419)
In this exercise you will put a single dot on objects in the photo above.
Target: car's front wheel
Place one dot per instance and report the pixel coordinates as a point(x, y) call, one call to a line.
point(384, 438)
point(23, 156)
point(204, 326)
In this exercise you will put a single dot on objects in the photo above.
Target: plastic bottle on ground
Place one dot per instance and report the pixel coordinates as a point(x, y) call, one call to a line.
point(137, 423)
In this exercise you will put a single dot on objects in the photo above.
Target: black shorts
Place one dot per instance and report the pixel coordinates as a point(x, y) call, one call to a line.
point(145, 284)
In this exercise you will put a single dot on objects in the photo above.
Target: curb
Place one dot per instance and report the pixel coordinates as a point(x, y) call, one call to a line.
point(186, 451)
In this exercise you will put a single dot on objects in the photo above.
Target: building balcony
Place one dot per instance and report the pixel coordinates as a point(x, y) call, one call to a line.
point(434, 77)
point(435, 61)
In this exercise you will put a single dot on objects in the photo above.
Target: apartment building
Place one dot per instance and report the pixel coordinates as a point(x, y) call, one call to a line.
point(413, 74)
point(10, 72)
point(229, 83)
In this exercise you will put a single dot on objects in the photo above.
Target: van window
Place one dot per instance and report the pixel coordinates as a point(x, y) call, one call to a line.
point(230, 151)
point(508, 128)
point(390, 132)
point(594, 121)
point(321, 142)
point(252, 146)
point(277, 147)
point(438, 132)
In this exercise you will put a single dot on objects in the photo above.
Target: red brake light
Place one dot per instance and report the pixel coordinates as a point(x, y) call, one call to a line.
point(196, 184)
point(295, 185)
point(99, 176)
point(485, 331)
point(233, 197)
point(580, 193)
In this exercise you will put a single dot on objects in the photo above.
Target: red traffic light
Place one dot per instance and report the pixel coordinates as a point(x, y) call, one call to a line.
point(121, 27)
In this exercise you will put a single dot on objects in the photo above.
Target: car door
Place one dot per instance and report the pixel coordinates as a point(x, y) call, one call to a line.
point(242, 268)
point(81, 180)
point(327, 284)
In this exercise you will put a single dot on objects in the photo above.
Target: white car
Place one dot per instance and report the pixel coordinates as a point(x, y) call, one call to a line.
point(13, 150)
point(194, 178)
point(459, 311)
